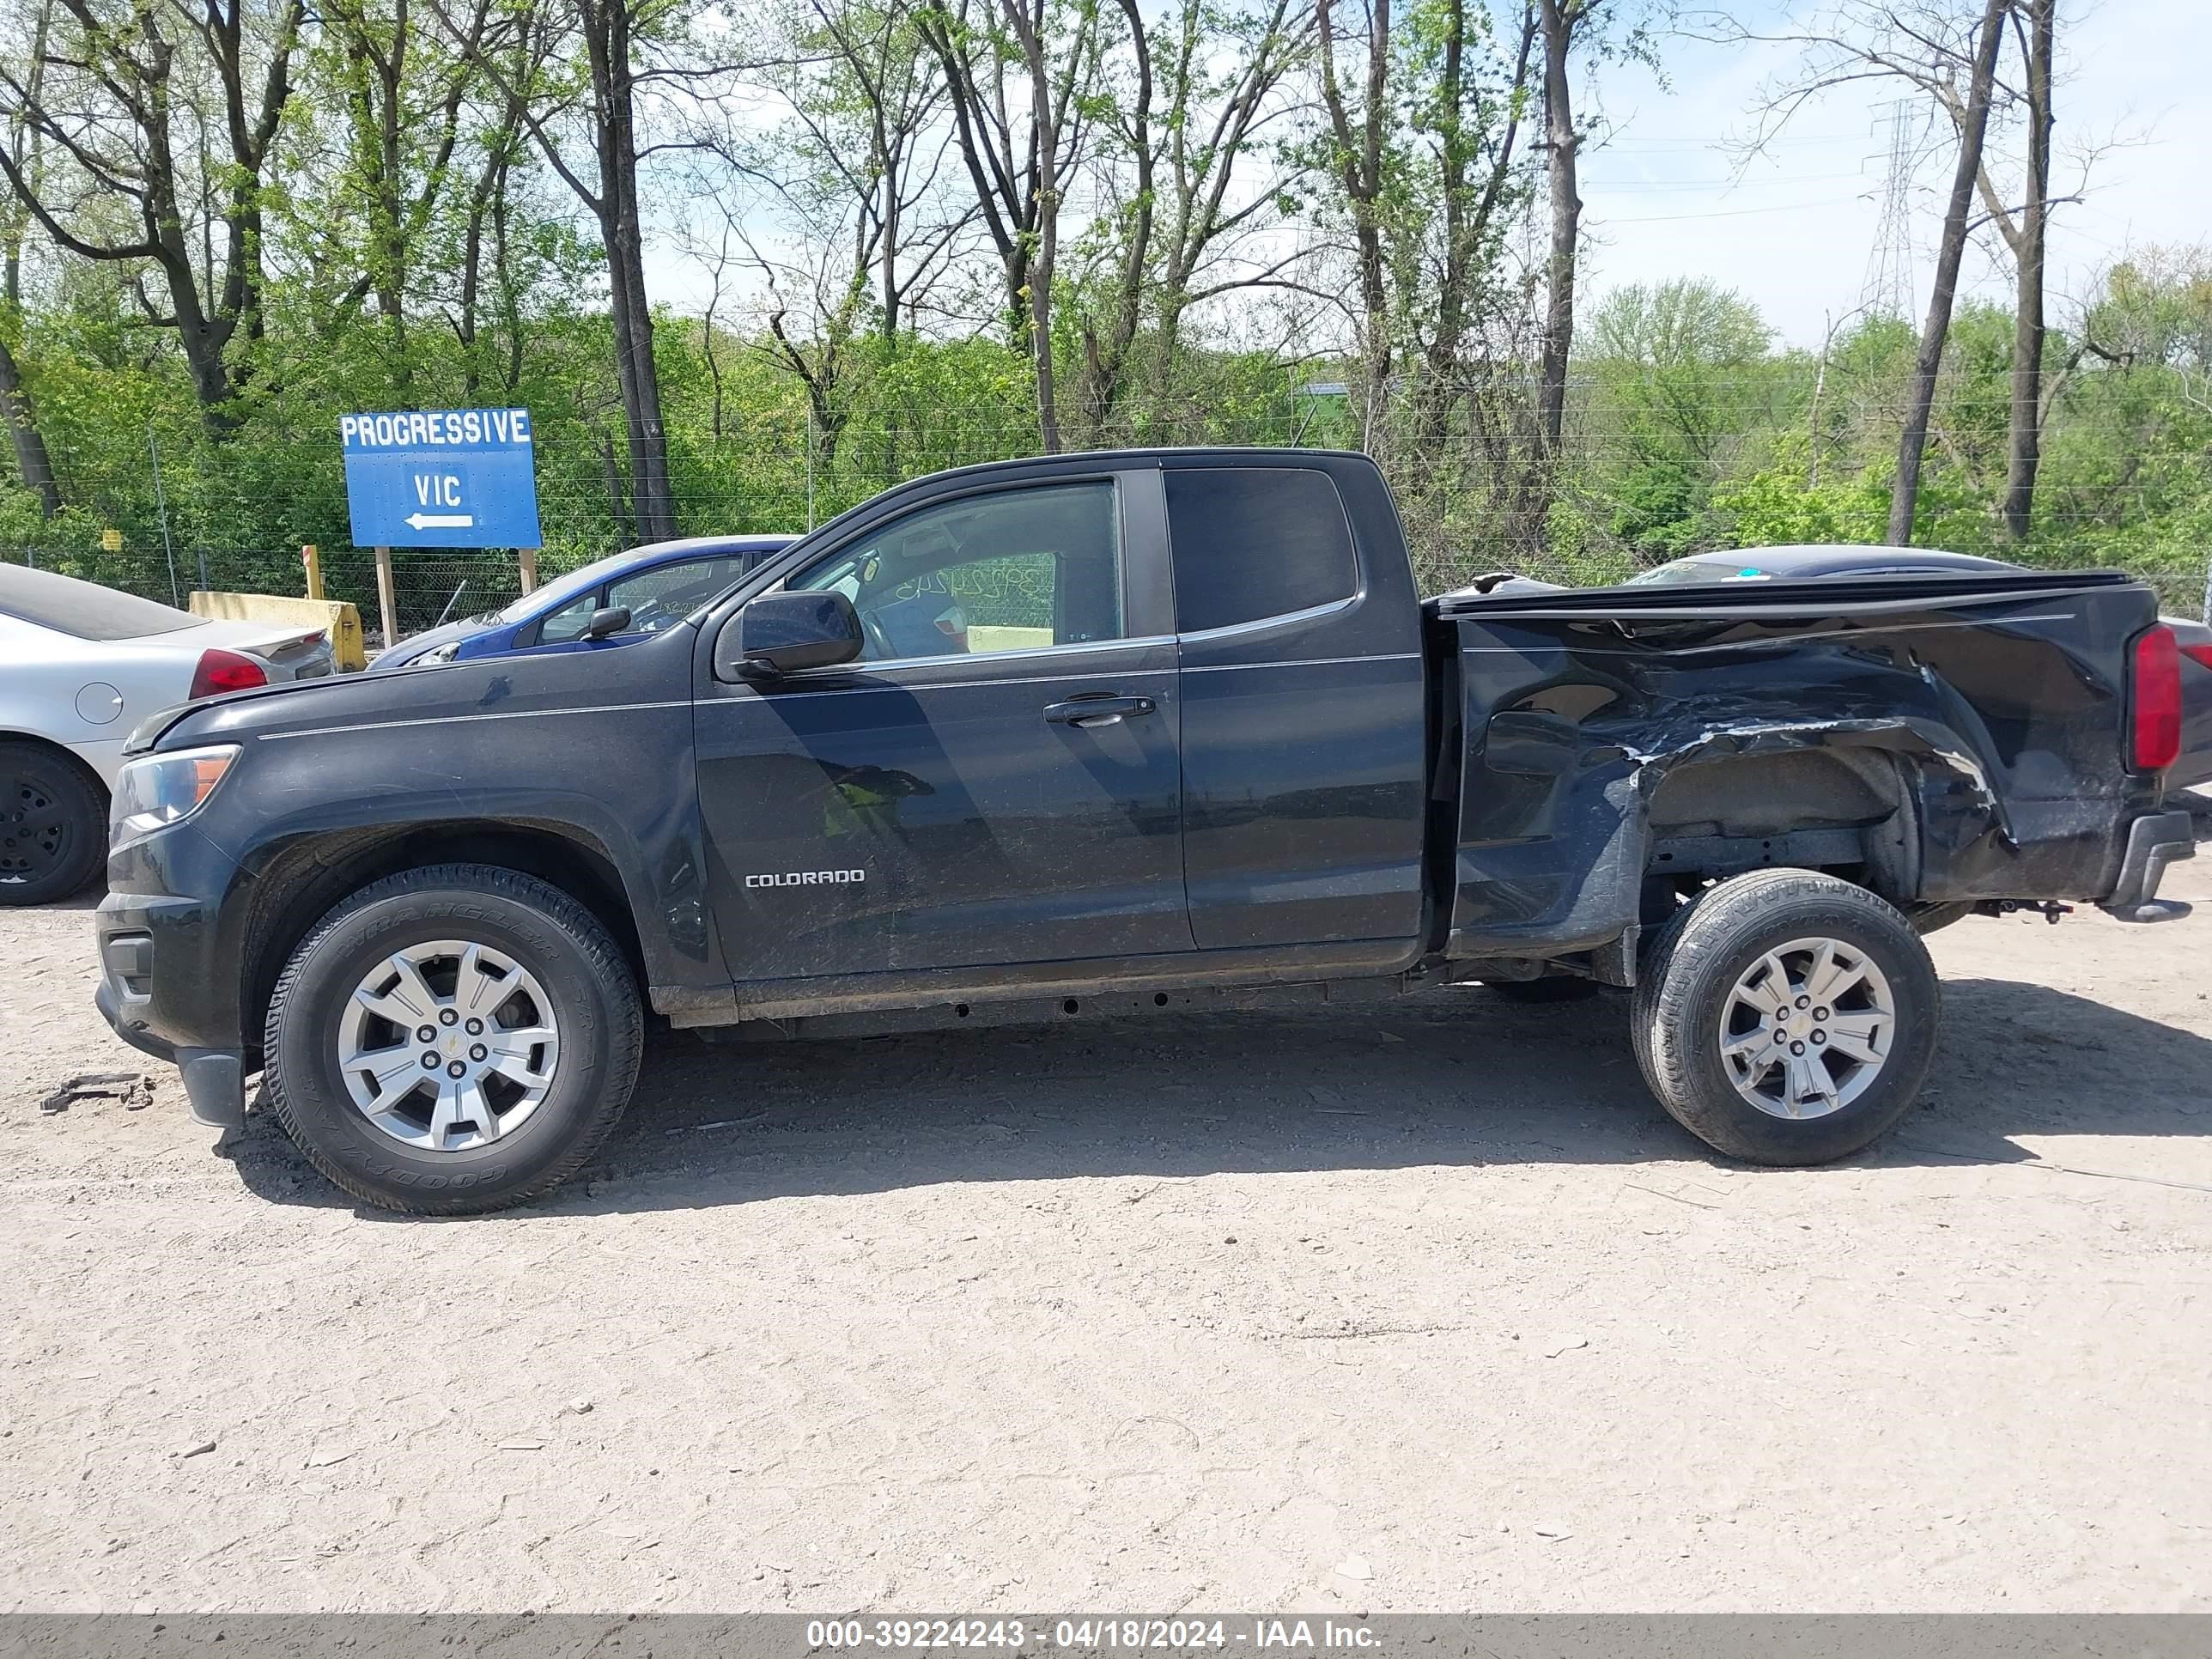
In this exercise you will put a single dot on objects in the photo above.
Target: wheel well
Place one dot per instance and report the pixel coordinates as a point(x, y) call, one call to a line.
point(60, 751)
point(1849, 811)
point(315, 874)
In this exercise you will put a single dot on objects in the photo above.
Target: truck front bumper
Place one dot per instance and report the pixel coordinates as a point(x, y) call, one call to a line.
point(166, 988)
point(2154, 842)
point(215, 1082)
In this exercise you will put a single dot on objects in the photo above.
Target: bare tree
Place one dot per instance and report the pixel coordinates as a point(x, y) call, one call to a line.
point(1020, 84)
point(1477, 119)
point(608, 30)
point(626, 52)
point(1098, 382)
point(881, 82)
point(404, 117)
point(1950, 251)
point(33, 462)
point(2027, 237)
point(486, 218)
point(1567, 27)
point(838, 206)
point(1928, 45)
point(1562, 148)
point(1197, 93)
point(114, 103)
point(1433, 162)
point(1215, 121)
point(1359, 159)
point(2024, 229)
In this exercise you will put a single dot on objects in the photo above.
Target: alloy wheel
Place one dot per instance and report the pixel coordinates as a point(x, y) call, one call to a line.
point(1808, 1028)
point(447, 1045)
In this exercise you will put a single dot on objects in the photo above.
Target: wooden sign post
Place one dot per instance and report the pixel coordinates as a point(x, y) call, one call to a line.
point(386, 609)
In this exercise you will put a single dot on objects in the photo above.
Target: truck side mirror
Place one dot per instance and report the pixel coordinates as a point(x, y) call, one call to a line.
point(781, 633)
point(606, 621)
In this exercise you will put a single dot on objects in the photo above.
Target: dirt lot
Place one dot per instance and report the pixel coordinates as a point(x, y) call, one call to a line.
point(1422, 1309)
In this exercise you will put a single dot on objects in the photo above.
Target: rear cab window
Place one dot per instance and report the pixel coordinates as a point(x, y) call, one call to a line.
point(1257, 542)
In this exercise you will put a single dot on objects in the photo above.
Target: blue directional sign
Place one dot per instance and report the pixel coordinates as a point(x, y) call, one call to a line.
point(441, 477)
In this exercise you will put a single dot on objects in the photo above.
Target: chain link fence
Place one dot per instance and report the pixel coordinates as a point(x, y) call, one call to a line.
point(1619, 495)
point(427, 588)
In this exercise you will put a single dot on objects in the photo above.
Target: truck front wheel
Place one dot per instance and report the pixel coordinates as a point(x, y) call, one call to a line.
point(1786, 1017)
point(453, 1040)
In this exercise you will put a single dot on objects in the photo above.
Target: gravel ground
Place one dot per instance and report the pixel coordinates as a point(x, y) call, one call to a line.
point(1421, 1309)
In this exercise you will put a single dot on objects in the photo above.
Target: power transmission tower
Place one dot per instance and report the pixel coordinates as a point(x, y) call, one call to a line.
point(1889, 286)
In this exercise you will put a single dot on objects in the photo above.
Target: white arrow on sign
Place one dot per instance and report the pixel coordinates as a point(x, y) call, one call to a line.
point(441, 521)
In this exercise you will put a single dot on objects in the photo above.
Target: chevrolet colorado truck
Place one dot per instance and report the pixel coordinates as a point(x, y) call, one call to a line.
point(1126, 733)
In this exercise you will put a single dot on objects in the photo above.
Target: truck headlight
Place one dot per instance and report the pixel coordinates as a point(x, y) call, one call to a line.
point(156, 791)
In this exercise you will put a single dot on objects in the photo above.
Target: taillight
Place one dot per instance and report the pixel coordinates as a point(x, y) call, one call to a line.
point(2198, 653)
point(225, 671)
point(2157, 699)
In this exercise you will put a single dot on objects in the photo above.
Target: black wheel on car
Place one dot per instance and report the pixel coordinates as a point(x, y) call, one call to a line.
point(53, 825)
point(453, 1040)
point(1552, 987)
point(1786, 1017)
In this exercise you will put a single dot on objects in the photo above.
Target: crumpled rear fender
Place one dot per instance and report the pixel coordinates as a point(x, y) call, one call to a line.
point(1995, 725)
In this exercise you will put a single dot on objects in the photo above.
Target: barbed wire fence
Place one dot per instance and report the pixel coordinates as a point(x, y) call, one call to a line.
point(776, 472)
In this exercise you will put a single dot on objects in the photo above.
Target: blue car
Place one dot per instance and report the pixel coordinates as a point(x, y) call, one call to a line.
point(658, 585)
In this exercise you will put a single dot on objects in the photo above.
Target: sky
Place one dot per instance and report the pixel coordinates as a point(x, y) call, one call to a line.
point(1664, 197)
point(1669, 194)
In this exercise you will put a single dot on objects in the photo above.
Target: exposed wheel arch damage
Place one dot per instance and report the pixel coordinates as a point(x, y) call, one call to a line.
point(1802, 798)
point(1860, 798)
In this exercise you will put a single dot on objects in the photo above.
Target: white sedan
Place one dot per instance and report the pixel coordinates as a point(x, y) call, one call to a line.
point(80, 666)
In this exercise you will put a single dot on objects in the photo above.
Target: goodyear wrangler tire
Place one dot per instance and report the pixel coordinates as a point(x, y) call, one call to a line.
point(1786, 1017)
point(453, 1040)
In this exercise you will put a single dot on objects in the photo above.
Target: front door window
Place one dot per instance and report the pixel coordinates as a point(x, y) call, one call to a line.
point(1014, 570)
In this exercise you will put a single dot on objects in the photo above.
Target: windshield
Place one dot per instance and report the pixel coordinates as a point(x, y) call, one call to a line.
point(582, 580)
point(84, 610)
point(1700, 570)
point(727, 562)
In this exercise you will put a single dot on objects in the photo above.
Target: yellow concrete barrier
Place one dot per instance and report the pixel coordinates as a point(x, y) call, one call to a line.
point(343, 621)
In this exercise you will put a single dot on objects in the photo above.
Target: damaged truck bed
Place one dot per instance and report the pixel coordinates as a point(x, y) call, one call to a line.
point(1947, 742)
point(1127, 734)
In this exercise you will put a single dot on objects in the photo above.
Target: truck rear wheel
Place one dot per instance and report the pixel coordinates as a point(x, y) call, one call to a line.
point(1786, 1017)
point(453, 1040)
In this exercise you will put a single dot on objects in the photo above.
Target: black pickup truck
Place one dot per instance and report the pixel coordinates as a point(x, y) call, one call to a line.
point(1125, 733)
